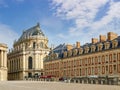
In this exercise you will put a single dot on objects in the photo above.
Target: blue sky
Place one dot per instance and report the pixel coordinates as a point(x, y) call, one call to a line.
point(62, 21)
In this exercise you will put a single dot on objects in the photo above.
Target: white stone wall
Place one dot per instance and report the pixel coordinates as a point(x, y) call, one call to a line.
point(3, 62)
point(23, 50)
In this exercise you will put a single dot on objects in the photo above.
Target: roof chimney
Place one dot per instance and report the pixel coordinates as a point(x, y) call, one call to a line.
point(102, 38)
point(94, 40)
point(77, 44)
point(111, 35)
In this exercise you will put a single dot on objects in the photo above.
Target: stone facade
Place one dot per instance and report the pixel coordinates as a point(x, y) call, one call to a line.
point(25, 60)
point(3, 62)
point(97, 62)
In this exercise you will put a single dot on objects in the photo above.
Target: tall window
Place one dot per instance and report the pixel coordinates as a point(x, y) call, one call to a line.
point(110, 58)
point(41, 45)
point(92, 60)
point(99, 59)
point(114, 66)
point(114, 57)
point(19, 63)
point(106, 69)
point(80, 72)
point(30, 63)
point(96, 60)
point(26, 45)
point(107, 58)
point(103, 59)
point(34, 44)
point(92, 70)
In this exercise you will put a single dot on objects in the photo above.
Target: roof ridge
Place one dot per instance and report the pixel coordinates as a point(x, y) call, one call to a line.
point(35, 30)
point(32, 28)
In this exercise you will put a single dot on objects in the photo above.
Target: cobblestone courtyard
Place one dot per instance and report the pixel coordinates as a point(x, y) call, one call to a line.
point(38, 85)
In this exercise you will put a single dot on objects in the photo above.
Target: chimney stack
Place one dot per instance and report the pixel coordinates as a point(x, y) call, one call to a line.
point(77, 44)
point(111, 35)
point(94, 40)
point(102, 38)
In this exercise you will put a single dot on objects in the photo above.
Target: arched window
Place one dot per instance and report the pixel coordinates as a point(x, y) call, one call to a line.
point(41, 45)
point(30, 63)
point(34, 44)
point(26, 45)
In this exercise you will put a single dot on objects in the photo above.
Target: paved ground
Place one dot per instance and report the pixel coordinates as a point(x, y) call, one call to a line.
point(38, 85)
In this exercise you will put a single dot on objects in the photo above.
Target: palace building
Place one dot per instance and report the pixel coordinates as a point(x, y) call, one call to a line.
point(26, 58)
point(3, 62)
point(97, 62)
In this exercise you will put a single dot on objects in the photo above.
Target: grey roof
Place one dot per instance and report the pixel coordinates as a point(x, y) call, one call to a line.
point(33, 31)
point(62, 47)
point(59, 49)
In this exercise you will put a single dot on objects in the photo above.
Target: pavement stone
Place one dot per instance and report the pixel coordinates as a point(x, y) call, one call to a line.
point(42, 85)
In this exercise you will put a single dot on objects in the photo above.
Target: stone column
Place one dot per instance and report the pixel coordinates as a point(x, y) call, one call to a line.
point(23, 65)
point(10, 65)
point(23, 62)
point(13, 65)
point(20, 63)
point(1, 58)
point(38, 61)
point(5, 59)
point(34, 60)
point(41, 60)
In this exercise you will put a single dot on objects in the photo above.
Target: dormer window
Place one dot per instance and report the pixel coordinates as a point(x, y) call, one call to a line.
point(93, 47)
point(99, 46)
point(74, 52)
point(81, 51)
point(65, 54)
point(86, 49)
point(114, 43)
point(55, 56)
point(52, 56)
point(69, 53)
point(107, 45)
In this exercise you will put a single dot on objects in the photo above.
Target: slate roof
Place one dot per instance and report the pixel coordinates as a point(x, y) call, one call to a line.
point(33, 31)
point(62, 47)
point(59, 49)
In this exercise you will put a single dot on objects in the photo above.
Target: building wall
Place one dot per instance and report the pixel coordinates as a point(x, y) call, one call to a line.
point(18, 61)
point(34, 47)
point(101, 64)
point(91, 63)
point(3, 62)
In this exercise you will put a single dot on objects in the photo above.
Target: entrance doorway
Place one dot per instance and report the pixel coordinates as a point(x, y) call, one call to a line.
point(29, 75)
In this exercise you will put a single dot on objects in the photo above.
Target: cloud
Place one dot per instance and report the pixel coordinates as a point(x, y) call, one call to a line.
point(84, 13)
point(62, 36)
point(111, 15)
point(7, 35)
point(51, 22)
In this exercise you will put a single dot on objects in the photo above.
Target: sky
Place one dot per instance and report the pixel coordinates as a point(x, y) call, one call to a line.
point(62, 21)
